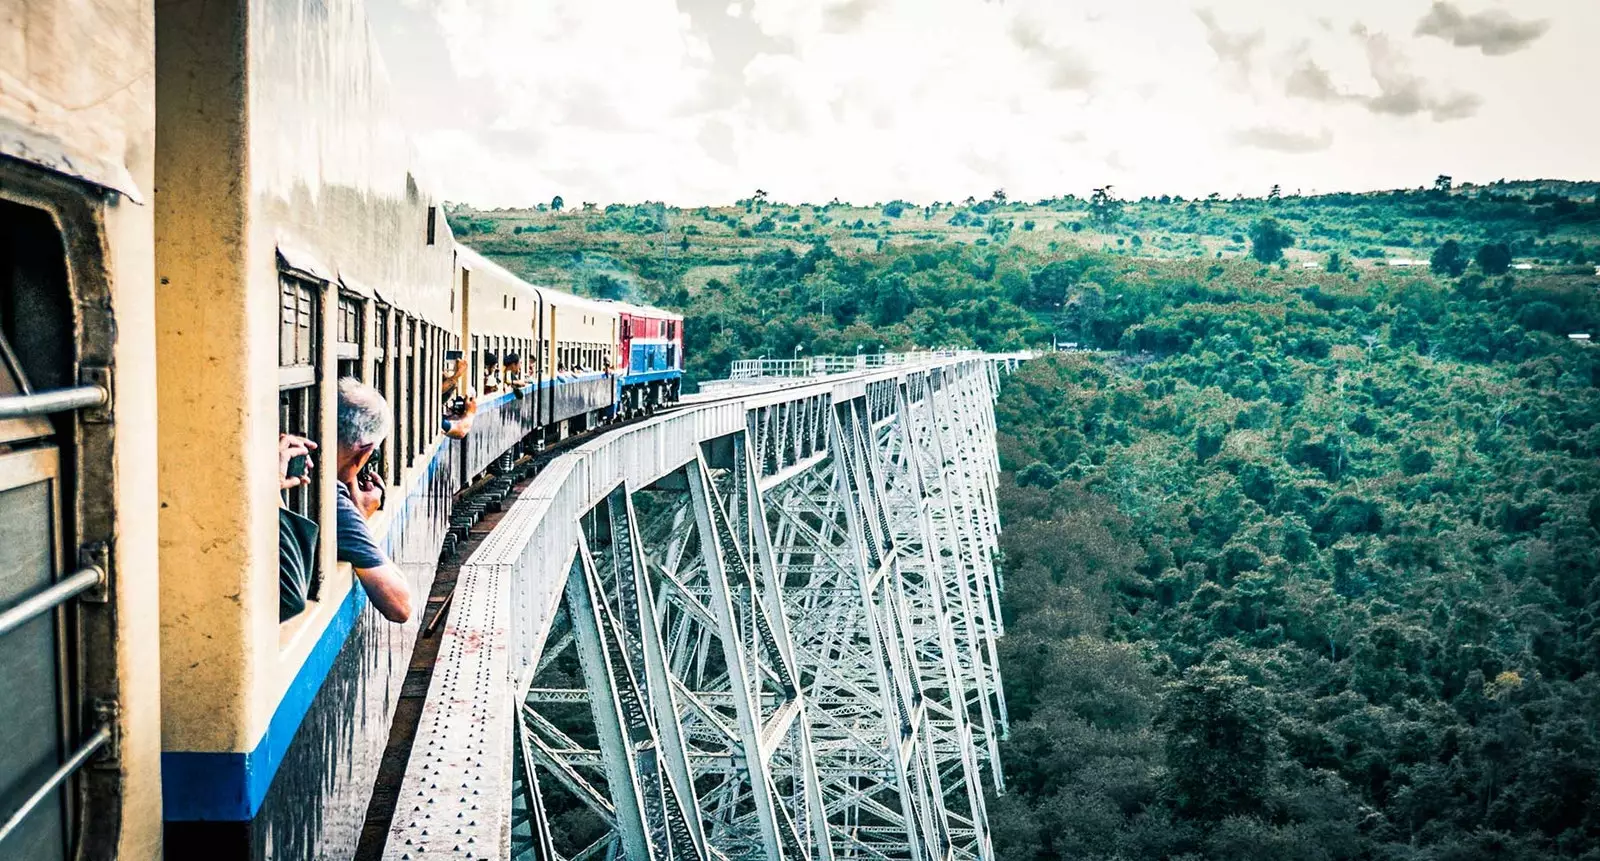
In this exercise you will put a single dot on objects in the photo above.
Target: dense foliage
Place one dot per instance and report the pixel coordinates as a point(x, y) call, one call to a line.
point(1300, 560)
point(1315, 578)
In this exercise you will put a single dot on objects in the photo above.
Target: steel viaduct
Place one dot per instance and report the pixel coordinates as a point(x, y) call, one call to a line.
point(761, 626)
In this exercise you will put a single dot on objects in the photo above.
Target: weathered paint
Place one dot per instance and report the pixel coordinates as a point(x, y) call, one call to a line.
point(80, 75)
point(276, 136)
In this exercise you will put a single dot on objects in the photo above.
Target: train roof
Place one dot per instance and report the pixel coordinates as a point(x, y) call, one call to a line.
point(572, 300)
point(504, 277)
point(643, 310)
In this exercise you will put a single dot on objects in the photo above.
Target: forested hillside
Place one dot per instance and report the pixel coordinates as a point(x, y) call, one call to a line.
point(1314, 578)
point(1300, 552)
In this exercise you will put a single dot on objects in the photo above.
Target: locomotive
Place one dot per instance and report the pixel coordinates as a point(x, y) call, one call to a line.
point(208, 216)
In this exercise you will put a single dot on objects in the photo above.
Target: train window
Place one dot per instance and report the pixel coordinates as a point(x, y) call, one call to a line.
point(420, 399)
point(380, 349)
point(433, 219)
point(408, 393)
point(352, 315)
point(380, 367)
point(297, 322)
point(299, 383)
point(397, 369)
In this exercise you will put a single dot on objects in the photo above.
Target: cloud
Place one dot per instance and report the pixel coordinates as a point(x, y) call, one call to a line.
point(1311, 81)
point(1235, 50)
point(1066, 69)
point(847, 16)
point(1402, 93)
point(1493, 32)
point(514, 102)
point(1282, 140)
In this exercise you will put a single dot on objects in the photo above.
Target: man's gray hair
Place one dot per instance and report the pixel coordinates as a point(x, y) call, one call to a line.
point(363, 414)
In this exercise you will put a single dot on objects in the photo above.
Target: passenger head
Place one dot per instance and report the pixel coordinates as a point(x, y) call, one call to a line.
point(363, 423)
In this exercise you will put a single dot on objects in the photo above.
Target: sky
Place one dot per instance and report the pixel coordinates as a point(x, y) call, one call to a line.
point(701, 102)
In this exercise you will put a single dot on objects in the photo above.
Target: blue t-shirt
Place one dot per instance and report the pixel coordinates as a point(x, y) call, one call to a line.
point(355, 542)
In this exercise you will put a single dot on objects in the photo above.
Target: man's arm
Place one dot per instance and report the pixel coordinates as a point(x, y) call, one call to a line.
point(386, 588)
point(457, 427)
point(384, 581)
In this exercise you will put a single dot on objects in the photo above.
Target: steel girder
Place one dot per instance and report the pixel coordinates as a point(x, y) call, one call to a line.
point(777, 642)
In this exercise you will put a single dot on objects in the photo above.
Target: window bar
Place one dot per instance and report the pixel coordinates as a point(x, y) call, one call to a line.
point(53, 401)
point(51, 597)
point(101, 738)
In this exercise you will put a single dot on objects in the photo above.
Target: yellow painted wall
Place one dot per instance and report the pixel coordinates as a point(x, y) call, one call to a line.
point(215, 381)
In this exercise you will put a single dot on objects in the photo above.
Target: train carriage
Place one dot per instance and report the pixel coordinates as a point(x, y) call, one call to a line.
point(500, 320)
point(294, 246)
point(579, 363)
point(166, 311)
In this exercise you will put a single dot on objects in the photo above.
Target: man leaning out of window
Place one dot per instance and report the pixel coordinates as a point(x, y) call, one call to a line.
point(363, 424)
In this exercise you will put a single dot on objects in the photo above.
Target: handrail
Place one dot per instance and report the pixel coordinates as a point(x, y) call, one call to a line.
point(53, 401)
point(101, 738)
point(48, 599)
point(814, 366)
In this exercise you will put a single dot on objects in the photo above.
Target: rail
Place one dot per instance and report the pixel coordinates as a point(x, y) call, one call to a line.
point(53, 401)
point(820, 366)
point(30, 405)
point(48, 599)
point(100, 739)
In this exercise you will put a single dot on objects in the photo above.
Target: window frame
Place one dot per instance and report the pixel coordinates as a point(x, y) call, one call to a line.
point(300, 382)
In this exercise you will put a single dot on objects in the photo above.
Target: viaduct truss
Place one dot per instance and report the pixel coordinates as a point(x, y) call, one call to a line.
point(759, 627)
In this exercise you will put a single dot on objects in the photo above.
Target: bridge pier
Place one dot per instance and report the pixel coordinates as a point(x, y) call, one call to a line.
point(758, 628)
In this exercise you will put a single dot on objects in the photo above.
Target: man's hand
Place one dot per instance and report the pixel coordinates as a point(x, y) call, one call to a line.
point(471, 409)
point(289, 448)
point(367, 494)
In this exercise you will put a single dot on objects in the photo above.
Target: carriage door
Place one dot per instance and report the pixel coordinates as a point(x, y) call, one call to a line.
point(50, 643)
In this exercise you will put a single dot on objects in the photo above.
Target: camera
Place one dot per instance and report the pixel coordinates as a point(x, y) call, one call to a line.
point(297, 466)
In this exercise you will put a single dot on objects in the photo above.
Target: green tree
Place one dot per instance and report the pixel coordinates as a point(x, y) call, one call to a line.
point(556, 203)
point(1219, 743)
point(1105, 208)
point(1448, 259)
point(1494, 258)
point(1268, 239)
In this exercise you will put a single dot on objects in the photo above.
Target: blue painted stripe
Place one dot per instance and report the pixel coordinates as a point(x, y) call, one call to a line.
point(498, 398)
point(229, 787)
point(651, 376)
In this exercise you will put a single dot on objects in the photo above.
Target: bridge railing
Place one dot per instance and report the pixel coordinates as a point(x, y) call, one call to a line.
point(819, 366)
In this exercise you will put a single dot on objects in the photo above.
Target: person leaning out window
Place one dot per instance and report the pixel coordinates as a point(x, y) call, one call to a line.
point(363, 424)
point(460, 405)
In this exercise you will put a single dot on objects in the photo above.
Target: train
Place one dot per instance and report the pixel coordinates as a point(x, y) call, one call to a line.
point(209, 215)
